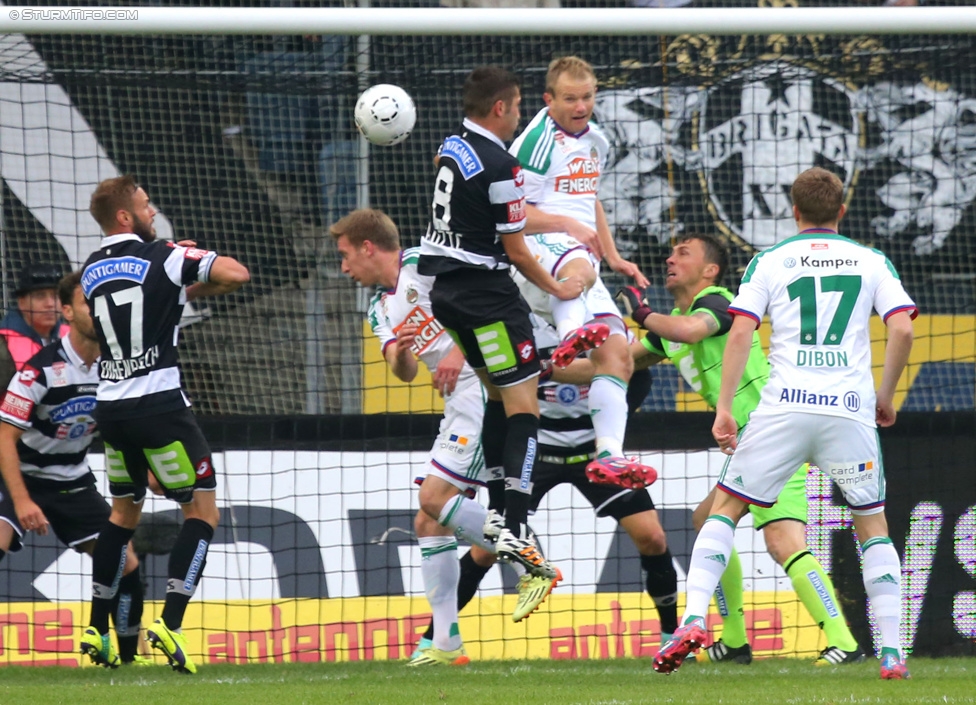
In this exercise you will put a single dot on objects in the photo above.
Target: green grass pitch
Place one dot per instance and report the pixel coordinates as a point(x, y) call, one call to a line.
point(617, 682)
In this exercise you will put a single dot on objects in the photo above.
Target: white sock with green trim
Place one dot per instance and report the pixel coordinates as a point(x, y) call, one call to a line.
point(882, 583)
point(709, 557)
point(568, 315)
point(441, 570)
point(466, 518)
point(608, 411)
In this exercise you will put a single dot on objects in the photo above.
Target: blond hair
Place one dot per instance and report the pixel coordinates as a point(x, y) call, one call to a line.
point(368, 224)
point(575, 67)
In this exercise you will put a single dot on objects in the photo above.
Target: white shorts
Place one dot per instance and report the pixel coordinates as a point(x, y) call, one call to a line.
point(553, 251)
point(771, 447)
point(456, 455)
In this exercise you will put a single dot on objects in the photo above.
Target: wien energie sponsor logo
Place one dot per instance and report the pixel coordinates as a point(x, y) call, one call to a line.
point(583, 177)
point(428, 329)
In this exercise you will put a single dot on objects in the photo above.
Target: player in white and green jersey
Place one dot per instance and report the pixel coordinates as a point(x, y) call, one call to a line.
point(693, 337)
point(562, 153)
point(819, 406)
point(400, 317)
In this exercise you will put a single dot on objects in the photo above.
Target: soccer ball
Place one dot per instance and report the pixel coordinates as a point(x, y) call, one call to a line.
point(385, 114)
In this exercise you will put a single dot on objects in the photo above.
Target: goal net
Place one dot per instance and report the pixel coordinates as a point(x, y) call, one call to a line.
point(246, 145)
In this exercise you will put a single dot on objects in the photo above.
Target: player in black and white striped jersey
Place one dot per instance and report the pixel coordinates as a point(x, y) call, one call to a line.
point(46, 428)
point(137, 287)
point(474, 237)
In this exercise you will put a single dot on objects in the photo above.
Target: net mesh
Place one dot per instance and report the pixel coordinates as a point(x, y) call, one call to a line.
point(246, 145)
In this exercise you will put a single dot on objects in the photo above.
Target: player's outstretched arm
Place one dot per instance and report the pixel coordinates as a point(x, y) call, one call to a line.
point(610, 253)
point(524, 262)
point(28, 513)
point(682, 329)
point(901, 334)
point(226, 275)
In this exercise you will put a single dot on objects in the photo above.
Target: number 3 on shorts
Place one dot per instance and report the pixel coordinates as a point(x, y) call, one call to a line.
point(496, 348)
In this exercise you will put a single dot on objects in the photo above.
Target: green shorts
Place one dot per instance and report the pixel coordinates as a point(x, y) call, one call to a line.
point(791, 503)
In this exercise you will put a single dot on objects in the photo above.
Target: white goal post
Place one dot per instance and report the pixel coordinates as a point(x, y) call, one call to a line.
point(480, 22)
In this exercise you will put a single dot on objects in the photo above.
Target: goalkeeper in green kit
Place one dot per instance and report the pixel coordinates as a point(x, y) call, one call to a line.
point(693, 337)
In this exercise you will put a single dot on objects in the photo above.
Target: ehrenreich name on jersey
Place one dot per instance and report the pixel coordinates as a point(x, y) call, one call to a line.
point(477, 197)
point(136, 293)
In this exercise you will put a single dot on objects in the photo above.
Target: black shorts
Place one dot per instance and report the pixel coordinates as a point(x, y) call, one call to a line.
point(170, 445)
point(489, 320)
point(75, 510)
point(607, 500)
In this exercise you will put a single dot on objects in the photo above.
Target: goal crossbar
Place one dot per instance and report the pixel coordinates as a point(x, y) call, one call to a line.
point(481, 22)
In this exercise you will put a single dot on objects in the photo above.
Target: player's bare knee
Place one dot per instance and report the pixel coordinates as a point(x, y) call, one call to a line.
point(651, 544)
point(425, 525)
point(434, 495)
point(203, 507)
point(614, 357)
point(581, 268)
point(646, 532)
point(784, 539)
point(125, 513)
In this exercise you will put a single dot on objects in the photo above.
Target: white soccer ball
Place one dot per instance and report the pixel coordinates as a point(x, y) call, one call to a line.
point(385, 114)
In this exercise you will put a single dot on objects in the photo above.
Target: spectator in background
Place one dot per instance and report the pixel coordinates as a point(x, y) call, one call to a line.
point(33, 323)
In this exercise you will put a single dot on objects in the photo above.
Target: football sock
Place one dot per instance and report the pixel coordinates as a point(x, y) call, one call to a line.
point(467, 519)
point(882, 582)
point(568, 315)
point(127, 614)
point(496, 493)
point(519, 455)
point(662, 585)
point(709, 557)
point(493, 432)
point(108, 562)
point(608, 411)
point(439, 567)
point(816, 591)
point(729, 598)
point(471, 576)
point(186, 563)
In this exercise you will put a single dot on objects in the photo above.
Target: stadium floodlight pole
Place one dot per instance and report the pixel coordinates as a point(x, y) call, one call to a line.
point(481, 22)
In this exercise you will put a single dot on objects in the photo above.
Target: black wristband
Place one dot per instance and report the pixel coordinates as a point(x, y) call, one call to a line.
point(640, 314)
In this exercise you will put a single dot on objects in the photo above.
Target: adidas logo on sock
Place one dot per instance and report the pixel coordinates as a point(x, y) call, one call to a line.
point(717, 557)
point(886, 578)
